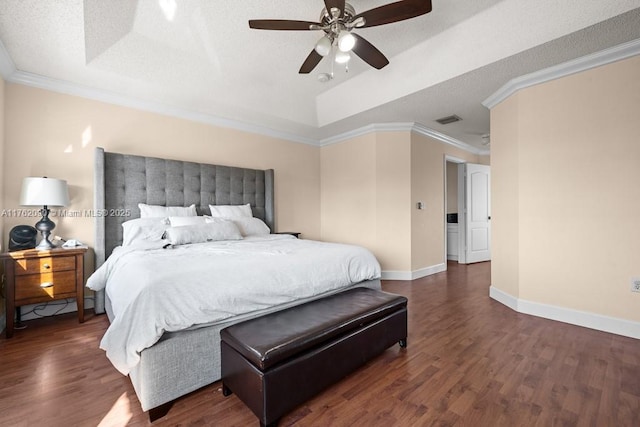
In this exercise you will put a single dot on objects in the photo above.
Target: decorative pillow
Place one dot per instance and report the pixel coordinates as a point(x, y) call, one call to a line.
point(143, 230)
point(231, 211)
point(251, 226)
point(209, 232)
point(178, 221)
point(156, 211)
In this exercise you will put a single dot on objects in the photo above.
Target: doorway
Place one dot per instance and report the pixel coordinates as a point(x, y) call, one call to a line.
point(467, 219)
point(452, 200)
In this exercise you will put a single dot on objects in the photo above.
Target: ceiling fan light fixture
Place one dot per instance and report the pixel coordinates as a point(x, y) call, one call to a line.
point(342, 57)
point(323, 46)
point(346, 41)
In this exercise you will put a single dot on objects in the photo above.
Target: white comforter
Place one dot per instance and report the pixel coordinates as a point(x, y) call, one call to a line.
point(153, 290)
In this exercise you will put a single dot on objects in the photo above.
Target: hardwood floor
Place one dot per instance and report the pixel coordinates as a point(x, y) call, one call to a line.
point(470, 362)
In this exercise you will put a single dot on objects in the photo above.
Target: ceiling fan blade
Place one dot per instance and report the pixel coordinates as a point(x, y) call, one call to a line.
point(369, 53)
point(394, 12)
point(338, 4)
point(310, 63)
point(282, 24)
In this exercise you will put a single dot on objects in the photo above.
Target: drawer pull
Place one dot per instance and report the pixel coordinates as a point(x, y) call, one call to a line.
point(46, 284)
point(46, 266)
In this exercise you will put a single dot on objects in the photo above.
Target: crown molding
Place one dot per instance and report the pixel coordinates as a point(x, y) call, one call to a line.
point(423, 130)
point(604, 57)
point(67, 88)
point(403, 127)
point(365, 130)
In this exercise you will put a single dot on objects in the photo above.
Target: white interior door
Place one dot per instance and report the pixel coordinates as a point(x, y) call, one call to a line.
point(478, 213)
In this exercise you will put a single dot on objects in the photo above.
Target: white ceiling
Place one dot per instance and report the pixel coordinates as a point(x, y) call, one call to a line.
point(206, 62)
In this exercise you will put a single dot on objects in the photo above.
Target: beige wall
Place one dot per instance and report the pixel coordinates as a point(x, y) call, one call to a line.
point(2, 165)
point(428, 185)
point(365, 194)
point(505, 200)
point(370, 187)
point(394, 199)
point(53, 134)
point(565, 191)
point(348, 191)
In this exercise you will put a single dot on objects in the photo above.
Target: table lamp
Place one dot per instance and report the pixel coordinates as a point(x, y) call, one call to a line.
point(44, 192)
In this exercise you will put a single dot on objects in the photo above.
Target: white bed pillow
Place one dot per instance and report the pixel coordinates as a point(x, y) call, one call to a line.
point(231, 211)
point(178, 221)
point(209, 232)
point(251, 226)
point(143, 230)
point(156, 211)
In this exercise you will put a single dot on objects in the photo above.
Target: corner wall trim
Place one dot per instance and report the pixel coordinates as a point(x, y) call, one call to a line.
point(585, 319)
point(604, 57)
point(412, 275)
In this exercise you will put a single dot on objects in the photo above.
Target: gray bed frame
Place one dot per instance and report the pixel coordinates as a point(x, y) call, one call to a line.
point(180, 362)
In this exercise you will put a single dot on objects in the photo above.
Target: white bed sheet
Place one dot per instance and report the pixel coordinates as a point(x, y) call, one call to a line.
point(154, 290)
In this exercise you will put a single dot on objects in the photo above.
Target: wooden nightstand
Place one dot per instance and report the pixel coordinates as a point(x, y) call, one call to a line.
point(34, 277)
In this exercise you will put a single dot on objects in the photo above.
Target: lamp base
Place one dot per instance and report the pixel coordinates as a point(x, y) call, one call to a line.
point(45, 225)
point(45, 244)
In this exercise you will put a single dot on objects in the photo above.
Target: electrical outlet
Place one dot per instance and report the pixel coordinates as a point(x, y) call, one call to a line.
point(635, 284)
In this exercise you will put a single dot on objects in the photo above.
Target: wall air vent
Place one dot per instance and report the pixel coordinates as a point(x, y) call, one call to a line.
point(448, 119)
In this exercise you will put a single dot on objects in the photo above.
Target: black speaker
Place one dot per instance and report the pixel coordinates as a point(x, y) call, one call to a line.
point(22, 237)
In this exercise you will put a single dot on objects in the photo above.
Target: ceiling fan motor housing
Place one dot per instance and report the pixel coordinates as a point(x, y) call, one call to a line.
point(326, 17)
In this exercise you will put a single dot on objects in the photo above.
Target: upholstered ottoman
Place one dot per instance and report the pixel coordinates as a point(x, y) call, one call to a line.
point(276, 362)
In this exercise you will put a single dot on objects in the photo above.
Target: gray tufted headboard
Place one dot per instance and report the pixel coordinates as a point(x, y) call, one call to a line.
point(121, 181)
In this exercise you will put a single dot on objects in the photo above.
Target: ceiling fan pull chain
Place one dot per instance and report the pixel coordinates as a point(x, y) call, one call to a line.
point(333, 60)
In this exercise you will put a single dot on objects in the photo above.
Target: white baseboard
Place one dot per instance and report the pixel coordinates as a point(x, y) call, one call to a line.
point(504, 298)
point(412, 275)
point(595, 321)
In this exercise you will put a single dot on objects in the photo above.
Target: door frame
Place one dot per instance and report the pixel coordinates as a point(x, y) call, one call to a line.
point(452, 159)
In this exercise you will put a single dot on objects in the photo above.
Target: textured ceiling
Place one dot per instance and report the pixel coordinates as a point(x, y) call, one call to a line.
point(200, 56)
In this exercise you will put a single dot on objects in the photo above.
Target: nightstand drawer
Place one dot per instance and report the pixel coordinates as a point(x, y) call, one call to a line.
point(44, 265)
point(51, 285)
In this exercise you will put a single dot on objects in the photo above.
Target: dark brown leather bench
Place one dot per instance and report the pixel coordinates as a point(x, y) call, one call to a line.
point(276, 362)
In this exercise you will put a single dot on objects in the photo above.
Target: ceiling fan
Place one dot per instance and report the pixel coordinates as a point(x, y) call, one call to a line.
point(337, 19)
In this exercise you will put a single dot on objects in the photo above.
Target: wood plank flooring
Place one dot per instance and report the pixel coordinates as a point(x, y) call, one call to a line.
point(470, 362)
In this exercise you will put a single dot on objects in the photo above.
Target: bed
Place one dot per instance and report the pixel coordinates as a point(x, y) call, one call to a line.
point(188, 358)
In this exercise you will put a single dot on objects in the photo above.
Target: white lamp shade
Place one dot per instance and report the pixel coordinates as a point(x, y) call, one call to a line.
point(323, 47)
point(346, 41)
point(44, 192)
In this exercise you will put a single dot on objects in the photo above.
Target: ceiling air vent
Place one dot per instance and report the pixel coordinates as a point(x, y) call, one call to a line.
point(448, 119)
